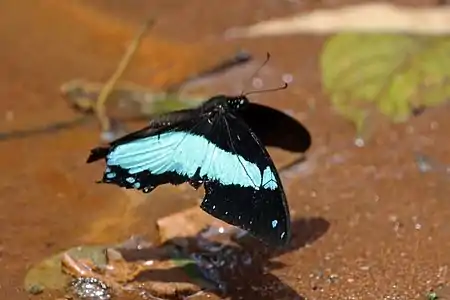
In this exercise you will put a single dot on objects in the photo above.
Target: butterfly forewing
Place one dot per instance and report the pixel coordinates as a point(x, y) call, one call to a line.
point(171, 154)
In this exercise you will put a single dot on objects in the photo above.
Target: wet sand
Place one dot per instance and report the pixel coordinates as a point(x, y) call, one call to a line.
point(388, 223)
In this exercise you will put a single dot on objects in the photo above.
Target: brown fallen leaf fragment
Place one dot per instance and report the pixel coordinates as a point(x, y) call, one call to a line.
point(172, 290)
point(116, 272)
point(162, 278)
point(187, 223)
point(167, 280)
point(77, 267)
point(121, 271)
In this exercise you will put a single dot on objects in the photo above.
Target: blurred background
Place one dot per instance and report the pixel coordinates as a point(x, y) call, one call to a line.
point(368, 199)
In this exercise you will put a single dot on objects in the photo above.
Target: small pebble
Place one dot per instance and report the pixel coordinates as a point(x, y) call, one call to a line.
point(9, 116)
point(257, 83)
point(359, 142)
point(288, 78)
point(434, 125)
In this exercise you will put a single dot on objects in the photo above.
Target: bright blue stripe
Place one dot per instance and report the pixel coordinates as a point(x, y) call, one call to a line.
point(184, 153)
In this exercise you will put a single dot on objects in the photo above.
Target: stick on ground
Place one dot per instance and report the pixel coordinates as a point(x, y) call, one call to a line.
point(100, 108)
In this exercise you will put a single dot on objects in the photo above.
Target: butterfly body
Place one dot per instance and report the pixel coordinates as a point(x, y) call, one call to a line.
point(212, 146)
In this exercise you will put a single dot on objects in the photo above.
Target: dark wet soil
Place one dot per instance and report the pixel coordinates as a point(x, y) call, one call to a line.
point(387, 232)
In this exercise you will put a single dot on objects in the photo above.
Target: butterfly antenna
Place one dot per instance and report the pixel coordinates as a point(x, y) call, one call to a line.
point(283, 87)
point(257, 71)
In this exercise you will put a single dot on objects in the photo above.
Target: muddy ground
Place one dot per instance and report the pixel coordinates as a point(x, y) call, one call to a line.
point(376, 227)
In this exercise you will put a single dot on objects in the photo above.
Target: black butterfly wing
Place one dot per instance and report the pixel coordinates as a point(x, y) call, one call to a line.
point(241, 182)
point(158, 123)
point(252, 197)
point(169, 154)
point(275, 128)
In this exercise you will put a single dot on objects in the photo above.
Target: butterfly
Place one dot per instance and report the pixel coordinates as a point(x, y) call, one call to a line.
point(211, 145)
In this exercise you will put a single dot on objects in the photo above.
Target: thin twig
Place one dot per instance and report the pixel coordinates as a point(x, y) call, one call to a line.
point(108, 87)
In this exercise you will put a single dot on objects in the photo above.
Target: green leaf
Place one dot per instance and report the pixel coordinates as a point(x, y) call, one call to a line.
point(388, 73)
point(432, 296)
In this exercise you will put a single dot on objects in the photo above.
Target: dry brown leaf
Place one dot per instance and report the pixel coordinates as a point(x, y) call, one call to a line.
point(124, 276)
point(186, 223)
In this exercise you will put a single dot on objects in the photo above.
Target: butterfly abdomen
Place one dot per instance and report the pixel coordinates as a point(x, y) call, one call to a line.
point(97, 154)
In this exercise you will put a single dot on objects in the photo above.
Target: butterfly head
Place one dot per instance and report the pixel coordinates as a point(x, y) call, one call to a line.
point(237, 102)
point(222, 103)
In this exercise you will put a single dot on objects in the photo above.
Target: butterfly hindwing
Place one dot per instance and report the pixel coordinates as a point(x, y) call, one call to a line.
point(283, 131)
point(249, 194)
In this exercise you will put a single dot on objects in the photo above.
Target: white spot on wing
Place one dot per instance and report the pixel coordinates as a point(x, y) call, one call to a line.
point(110, 175)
